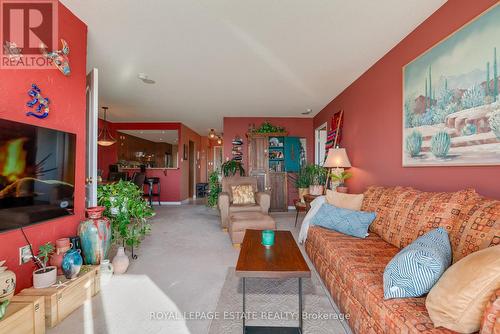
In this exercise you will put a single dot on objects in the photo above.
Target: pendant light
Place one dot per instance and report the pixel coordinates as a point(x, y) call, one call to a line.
point(212, 134)
point(105, 138)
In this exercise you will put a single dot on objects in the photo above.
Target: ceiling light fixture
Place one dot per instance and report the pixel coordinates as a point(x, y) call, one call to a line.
point(105, 138)
point(307, 112)
point(219, 139)
point(145, 78)
point(212, 134)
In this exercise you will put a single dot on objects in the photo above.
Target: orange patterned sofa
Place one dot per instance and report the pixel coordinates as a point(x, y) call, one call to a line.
point(352, 268)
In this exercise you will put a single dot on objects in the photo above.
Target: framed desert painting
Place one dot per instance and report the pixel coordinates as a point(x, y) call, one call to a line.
point(451, 101)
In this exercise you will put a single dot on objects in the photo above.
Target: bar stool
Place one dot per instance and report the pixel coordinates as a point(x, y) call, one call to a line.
point(151, 182)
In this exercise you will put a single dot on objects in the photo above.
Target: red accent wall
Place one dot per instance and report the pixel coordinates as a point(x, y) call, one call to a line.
point(373, 114)
point(67, 113)
point(296, 126)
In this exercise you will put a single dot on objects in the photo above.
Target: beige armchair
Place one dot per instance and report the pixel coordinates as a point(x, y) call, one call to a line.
point(225, 203)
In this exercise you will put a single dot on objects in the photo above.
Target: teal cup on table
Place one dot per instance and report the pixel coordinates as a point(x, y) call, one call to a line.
point(268, 238)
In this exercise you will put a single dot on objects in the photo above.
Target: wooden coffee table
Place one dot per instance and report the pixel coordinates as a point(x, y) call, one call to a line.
point(283, 260)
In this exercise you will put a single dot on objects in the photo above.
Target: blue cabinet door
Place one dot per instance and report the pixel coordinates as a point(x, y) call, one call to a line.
point(292, 154)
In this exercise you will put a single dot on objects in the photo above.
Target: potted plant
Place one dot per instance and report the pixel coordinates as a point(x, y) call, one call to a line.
point(317, 177)
point(214, 189)
point(44, 276)
point(302, 183)
point(231, 167)
point(127, 210)
point(340, 179)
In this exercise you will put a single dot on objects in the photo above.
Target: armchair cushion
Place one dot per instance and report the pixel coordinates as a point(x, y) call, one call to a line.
point(243, 194)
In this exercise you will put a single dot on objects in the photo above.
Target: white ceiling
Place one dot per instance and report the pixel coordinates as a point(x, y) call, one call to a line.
point(215, 58)
point(157, 136)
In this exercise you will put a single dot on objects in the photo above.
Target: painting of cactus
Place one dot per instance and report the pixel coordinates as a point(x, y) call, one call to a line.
point(414, 143)
point(451, 98)
point(440, 144)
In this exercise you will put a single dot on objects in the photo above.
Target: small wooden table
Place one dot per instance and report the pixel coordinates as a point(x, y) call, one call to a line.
point(308, 198)
point(283, 260)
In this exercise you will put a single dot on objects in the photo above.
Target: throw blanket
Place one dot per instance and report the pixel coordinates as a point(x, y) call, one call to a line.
point(315, 205)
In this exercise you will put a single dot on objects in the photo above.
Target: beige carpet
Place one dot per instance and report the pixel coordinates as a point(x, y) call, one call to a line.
point(274, 302)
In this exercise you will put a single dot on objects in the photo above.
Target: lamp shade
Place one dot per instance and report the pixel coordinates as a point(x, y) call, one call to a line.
point(337, 158)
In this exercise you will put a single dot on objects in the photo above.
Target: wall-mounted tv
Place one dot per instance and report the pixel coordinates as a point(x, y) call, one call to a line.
point(37, 174)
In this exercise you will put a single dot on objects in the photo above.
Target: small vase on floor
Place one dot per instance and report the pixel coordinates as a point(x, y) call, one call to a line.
point(72, 263)
point(105, 272)
point(120, 261)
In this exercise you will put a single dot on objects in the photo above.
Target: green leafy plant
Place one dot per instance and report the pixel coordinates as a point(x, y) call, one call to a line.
point(214, 189)
point(231, 167)
point(440, 144)
point(341, 178)
point(317, 174)
point(301, 179)
point(267, 127)
point(127, 210)
point(44, 253)
point(413, 143)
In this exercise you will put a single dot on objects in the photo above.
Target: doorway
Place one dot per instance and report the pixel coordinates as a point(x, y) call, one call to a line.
point(192, 169)
point(320, 135)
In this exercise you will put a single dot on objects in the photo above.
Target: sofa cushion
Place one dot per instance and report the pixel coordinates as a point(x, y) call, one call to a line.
point(345, 201)
point(350, 222)
point(417, 267)
point(477, 228)
point(459, 298)
point(404, 214)
point(352, 270)
point(491, 317)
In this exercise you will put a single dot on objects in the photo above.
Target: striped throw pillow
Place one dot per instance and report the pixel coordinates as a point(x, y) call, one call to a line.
point(417, 267)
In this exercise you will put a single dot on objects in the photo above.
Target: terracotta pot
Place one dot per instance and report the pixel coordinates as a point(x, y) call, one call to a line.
point(302, 192)
point(120, 261)
point(7, 283)
point(45, 277)
point(56, 260)
point(316, 190)
point(95, 236)
point(342, 190)
point(63, 243)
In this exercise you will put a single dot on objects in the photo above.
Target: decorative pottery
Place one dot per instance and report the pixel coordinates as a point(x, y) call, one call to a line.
point(44, 277)
point(316, 190)
point(3, 307)
point(106, 272)
point(56, 260)
point(120, 261)
point(7, 283)
point(72, 263)
point(302, 192)
point(63, 243)
point(75, 242)
point(95, 236)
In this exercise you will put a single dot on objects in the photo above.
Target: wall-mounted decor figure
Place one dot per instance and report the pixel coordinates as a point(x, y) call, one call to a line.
point(42, 111)
point(451, 107)
point(59, 57)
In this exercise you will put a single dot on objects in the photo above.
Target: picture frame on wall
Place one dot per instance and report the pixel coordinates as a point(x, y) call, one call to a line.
point(451, 100)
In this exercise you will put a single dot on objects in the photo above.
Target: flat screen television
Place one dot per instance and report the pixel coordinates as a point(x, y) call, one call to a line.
point(37, 174)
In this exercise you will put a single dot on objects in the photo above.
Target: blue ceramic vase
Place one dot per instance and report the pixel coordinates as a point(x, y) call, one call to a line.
point(71, 263)
point(95, 236)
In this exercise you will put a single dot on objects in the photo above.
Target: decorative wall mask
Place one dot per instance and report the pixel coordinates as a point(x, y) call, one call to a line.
point(42, 110)
point(59, 57)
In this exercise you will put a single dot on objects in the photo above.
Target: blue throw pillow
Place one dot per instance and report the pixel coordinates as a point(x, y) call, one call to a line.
point(350, 222)
point(418, 266)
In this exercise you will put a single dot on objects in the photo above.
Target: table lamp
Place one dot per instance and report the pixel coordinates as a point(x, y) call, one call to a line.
point(337, 158)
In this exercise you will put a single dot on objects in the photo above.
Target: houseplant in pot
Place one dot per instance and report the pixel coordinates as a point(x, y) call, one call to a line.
point(44, 276)
point(340, 178)
point(231, 167)
point(214, 189)
point(317, 178)
point(302, 182)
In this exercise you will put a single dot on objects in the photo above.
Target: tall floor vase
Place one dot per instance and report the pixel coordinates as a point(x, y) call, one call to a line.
point(95, 236)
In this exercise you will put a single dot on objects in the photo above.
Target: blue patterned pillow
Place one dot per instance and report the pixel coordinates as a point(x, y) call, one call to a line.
point(418, 266)
point(350, 222)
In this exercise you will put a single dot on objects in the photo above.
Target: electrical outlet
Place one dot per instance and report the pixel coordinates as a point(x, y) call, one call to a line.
point(24, 254)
